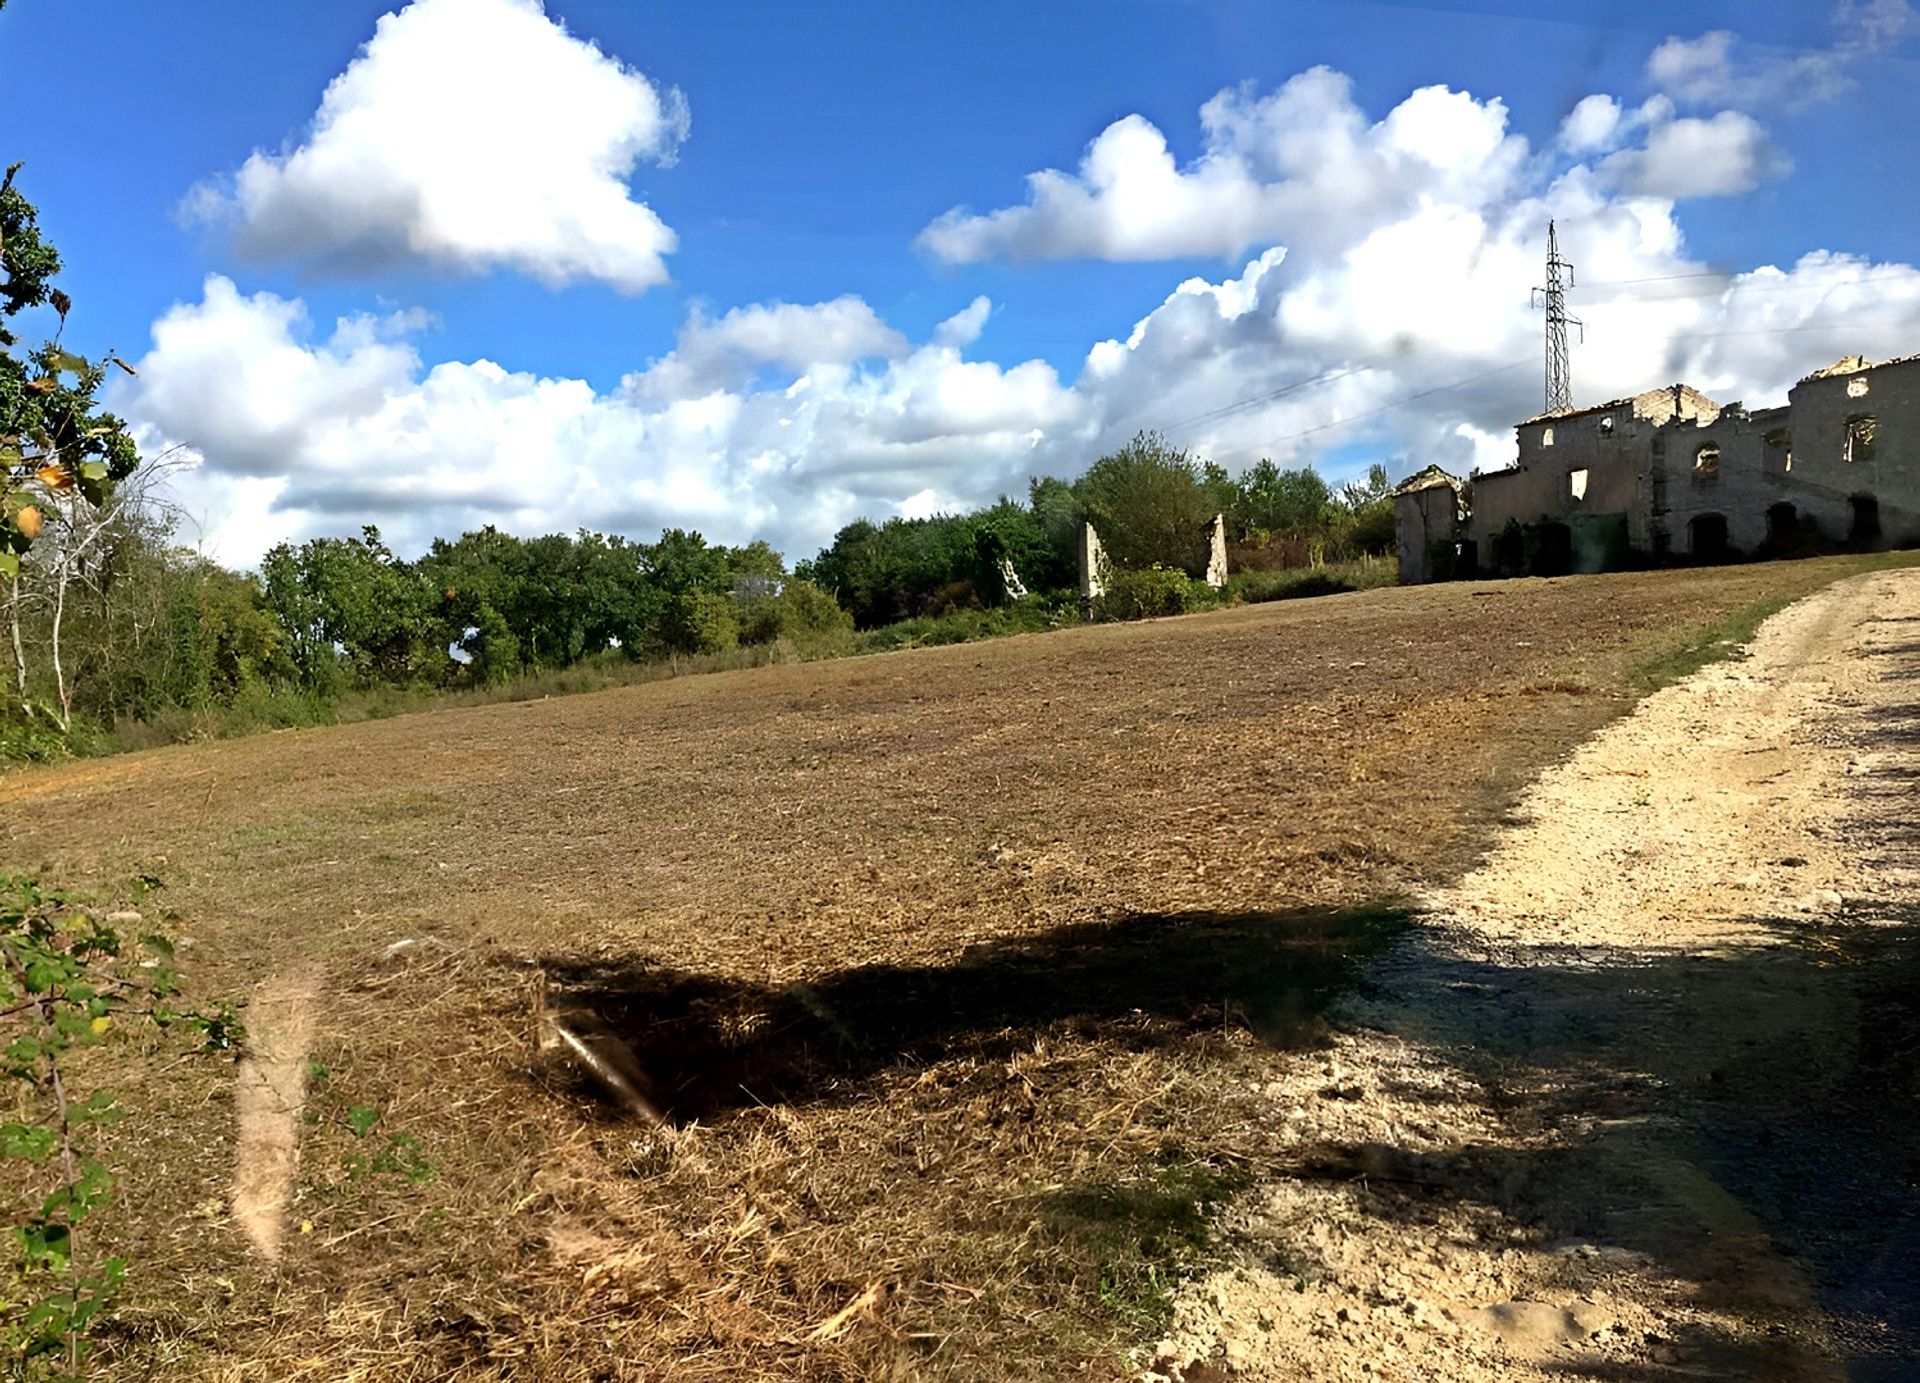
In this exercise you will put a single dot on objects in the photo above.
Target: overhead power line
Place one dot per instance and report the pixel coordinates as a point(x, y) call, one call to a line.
point(1326, 376)
point(1745, 289)
point(1728, 275)
point(1400, 402)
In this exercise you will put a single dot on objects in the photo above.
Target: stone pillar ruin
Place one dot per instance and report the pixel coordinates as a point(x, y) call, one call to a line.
point(1217, 552)
point(1093, 565)
point(1016, 589)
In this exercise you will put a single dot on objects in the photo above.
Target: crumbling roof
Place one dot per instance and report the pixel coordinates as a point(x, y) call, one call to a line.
point(1432, 478)
point(1656, 405)
point(1555, 414)
point(1856, 364)
point(1845, 365)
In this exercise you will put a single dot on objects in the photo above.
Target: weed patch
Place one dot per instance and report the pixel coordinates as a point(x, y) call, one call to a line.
point(1143, 1233)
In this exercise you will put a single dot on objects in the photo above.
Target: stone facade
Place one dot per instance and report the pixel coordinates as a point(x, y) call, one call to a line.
point(1429, 524)
point(1671, 474)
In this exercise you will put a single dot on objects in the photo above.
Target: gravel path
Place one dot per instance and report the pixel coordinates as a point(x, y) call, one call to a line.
point(1637, 1099)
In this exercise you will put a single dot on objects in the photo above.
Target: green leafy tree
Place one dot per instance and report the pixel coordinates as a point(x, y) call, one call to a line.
point(53, 437)
point(60, 455)
point(1009, 532)
point(801, 613)
point(219, 639)
point(903, 568)
point(351, 599)
point(1151, 502)
point(700, 622)
point(1058, 514)
point(1272, 501)
point(1369, 506)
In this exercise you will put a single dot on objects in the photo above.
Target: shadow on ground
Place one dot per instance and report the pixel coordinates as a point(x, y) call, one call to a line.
point(709, 1044)
point(1744, 1120)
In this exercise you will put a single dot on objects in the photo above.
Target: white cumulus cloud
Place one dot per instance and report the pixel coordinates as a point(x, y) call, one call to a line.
point(725, 353)
point(466, 135)
point(1301, 165)
point(1720, 68)
point(1689, 157)
point(1391, 323)
point(1593, 125)
point(299, 431)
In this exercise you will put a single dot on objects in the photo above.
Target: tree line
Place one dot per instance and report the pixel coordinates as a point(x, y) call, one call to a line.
point(109, 617)
point(1150, 502)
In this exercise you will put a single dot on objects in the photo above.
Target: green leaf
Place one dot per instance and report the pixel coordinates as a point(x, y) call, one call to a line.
point(46, 1245)
point(98, 1108)
point(33, 1142)
point(9, 564)
point(44, 973)
point(361, 1118)
point(65, 362)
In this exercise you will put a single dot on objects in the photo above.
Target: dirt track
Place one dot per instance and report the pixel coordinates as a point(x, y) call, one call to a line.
point(1637, 1100)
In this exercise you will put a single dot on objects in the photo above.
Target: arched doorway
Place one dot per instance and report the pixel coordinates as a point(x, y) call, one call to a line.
point(1707, 534)
point(1783, 520)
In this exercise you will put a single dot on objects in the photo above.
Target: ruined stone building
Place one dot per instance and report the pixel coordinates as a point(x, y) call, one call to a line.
point(1671, 475)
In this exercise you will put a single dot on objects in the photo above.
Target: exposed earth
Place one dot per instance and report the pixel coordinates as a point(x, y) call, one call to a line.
point(986, 992)
point(1638, 1097)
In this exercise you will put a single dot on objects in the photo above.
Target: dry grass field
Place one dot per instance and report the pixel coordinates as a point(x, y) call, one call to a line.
point(953, 969)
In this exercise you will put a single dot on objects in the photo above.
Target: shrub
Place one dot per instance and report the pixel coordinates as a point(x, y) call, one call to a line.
point(37, 739)
point(965, 626)
point(493, 653)
point(700, 622)
point(1151, 592)
point(803, 614)
point(1363, 573)
point(68, 981)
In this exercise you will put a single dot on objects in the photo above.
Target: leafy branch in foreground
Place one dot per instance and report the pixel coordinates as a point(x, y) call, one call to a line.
point(68, 980)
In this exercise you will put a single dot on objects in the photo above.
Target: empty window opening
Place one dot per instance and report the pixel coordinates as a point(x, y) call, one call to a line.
point(1577, 484)
point(1863, 430)
point(1857, 388)
point(1782, 520)
point(1706, 461)
point(1546, 436)
point(1708, 533)
point(1866, 520)
point(1779, 443)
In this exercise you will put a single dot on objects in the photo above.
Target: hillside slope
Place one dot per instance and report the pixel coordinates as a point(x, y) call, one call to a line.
point(958, 972)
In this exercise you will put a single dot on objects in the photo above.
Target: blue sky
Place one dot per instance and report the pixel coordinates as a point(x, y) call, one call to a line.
point(821, 146)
